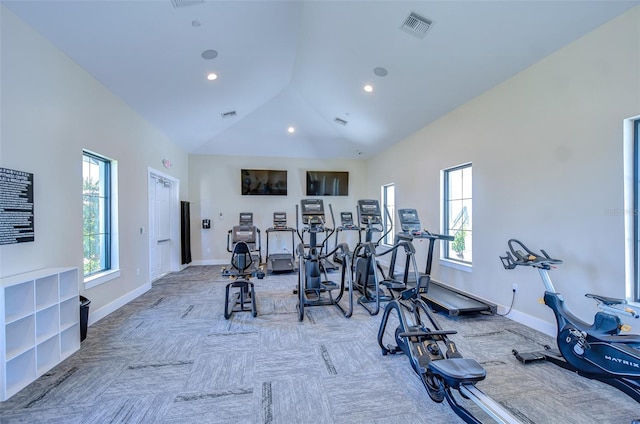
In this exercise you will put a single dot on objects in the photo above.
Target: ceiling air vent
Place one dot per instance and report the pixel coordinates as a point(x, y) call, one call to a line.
point(185, 3)
point(416, 25)
point(340, 121)
point(230, 114)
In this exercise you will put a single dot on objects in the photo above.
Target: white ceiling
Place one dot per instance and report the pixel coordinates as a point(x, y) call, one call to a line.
point(304, 63)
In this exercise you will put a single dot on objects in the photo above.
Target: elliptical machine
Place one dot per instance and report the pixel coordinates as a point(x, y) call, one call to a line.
point(434, 357)
point(368, 275)
point(314, 288)
point(597, 351)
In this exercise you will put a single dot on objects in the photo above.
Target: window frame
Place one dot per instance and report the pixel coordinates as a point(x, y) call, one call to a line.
point(445, 257)
point(109, 245)
point(636, 208)
point(387, 221)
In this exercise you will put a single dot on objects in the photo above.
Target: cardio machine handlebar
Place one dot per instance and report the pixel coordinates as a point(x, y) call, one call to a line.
point(521, 255)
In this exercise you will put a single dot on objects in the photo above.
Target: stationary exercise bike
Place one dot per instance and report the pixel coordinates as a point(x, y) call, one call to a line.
point(598, 351)
point(434, 357)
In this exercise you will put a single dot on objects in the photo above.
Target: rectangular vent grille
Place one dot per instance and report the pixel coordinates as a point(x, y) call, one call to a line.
point(340, 121)
point(416, 25)
point(229, 114)
point(185, 3)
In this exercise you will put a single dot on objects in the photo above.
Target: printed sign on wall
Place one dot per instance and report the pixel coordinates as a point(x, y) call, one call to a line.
point(16, 206)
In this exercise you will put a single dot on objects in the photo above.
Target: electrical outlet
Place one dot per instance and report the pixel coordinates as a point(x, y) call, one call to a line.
point(515, 288)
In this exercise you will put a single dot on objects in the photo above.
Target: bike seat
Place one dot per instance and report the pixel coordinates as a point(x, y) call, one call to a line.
point(456, 371)
point(606, 300)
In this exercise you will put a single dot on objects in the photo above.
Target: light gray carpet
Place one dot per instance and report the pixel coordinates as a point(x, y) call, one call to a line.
point(171, 357)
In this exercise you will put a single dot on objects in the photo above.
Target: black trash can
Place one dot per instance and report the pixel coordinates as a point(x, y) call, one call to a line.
point(84, 316)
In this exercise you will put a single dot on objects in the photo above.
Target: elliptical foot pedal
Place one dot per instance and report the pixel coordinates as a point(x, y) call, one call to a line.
point(527, 357)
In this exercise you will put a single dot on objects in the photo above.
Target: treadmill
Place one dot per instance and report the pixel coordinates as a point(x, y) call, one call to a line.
point(439, 296)
point(281, 262)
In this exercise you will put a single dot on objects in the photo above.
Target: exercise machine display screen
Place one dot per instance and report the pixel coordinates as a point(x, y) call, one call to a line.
point(312, 211)
point(346, 219)
point(369, 211)
point(279, 220)
point(246, 218)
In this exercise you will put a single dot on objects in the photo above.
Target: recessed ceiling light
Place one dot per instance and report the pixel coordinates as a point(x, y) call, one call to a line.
point(291, 130)
point(209, 54)
point(368, 88)
point(212, 76)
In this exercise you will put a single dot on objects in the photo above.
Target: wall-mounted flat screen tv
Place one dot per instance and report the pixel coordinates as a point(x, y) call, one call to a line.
point(327, 183)
point(267, 182)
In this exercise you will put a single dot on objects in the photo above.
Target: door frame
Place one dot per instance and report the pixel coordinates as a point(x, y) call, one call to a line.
point(174, 219)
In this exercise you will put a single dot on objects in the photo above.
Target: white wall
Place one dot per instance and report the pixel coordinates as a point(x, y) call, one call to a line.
point(547, 154)
point(215, 189)
point(51, 111)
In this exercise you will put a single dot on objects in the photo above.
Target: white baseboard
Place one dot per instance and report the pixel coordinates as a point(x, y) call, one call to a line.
point(532, 322)
point(97, 315)
point(201, 262)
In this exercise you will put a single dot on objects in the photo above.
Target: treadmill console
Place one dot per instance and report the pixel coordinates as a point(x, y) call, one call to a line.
point(279, 220)
point(312, 211)
point(369, 212)
point(409, 222)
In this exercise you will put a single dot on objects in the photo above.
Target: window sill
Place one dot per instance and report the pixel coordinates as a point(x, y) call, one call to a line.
point(456, 265)
point(96, 280)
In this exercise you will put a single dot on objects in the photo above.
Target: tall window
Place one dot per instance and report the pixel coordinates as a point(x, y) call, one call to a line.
point(96, 213)
point(457, 183)
point(636, 207)
point(389, 205)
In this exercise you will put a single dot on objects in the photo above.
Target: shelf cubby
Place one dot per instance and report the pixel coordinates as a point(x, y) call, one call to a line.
point(46, 291)
point(68, 284)
point(69, 340)
point(19, 301)
point(20, 371)
point(20, 336)
point(47, 323)
point(69, 312)
point(47, 354)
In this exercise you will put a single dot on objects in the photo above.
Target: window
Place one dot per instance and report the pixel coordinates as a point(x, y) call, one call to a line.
point(389, 205)
point(636, 208)
point(96, 214)
point(457, 212)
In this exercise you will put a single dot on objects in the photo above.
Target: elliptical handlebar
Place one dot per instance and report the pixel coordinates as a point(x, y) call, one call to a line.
point(523, 256)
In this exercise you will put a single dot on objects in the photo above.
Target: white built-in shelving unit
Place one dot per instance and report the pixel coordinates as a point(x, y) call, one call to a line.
point(40, 313)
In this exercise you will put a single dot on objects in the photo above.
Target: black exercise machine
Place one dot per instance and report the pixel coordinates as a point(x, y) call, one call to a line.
point(599, 350)
point(280, 262)
point(248, 233)
point(242, 268)
point(369, 277)
point(314, 288)
point(434, 357)
point(440, 296)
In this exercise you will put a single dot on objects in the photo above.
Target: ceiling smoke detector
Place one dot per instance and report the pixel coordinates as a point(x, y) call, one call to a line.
point(185, 3)
point(230, 114)
point(416, 25)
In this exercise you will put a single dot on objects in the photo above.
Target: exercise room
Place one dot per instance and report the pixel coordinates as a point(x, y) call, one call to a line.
point(320, 211)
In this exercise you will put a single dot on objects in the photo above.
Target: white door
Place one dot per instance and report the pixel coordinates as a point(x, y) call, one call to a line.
point(160, 241)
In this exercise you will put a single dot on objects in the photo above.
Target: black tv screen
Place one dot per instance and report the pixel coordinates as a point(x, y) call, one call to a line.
point(264, 182)
point(327, 183)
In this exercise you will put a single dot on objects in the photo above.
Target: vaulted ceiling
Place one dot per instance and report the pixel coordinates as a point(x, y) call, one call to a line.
point(304, 64)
